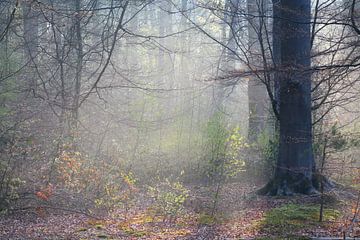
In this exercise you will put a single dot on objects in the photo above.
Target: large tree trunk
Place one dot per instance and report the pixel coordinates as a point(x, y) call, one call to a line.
point(295, 166)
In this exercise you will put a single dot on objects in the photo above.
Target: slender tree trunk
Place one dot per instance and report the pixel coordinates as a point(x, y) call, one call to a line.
point(4, 48)
point(183, 40)
point(79, 64)
point(162, 17)
point(233, 21)
point(227, 58)
point(257, 94)
point(31, 41)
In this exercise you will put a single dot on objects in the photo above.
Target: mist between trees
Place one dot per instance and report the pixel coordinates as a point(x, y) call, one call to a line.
point(107, 102)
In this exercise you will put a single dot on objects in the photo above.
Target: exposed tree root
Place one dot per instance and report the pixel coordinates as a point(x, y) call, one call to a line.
point(288, 185)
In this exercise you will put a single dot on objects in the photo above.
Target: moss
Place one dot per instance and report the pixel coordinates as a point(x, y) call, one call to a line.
point(135, 233)
point(99, 226)
point(82, 229)
point(291, 218)
point(207, 219)
point(102, 236)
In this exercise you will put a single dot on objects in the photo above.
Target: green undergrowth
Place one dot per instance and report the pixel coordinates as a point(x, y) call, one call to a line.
point(294, 219)
point(206, 218)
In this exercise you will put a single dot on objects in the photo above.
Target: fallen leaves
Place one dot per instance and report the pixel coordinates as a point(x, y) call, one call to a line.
point(239, 215)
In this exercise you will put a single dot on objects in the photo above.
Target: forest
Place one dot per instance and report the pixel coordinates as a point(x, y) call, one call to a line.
point(179, 119)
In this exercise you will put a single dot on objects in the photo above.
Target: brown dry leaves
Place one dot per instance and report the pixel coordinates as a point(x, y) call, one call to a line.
point(240, 215)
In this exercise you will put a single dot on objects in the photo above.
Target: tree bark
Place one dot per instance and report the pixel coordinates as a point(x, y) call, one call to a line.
point(79, 64)
point(295, 166)
point(276, 55)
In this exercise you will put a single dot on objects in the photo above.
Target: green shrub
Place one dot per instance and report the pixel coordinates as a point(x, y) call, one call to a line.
point(222, 150)
point(169, 198)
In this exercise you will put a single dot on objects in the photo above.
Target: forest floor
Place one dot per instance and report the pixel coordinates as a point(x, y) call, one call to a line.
point(240, 214)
